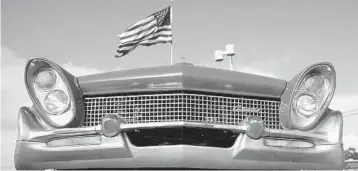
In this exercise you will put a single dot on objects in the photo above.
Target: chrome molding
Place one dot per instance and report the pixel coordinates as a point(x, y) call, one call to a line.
point(291, 120)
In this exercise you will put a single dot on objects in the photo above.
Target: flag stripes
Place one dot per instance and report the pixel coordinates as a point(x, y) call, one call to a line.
point(142, 29)
point(141, 23)
point(152, 30)
point(164, 35)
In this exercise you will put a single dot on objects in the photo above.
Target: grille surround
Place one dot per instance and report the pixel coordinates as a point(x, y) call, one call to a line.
point(181, 107)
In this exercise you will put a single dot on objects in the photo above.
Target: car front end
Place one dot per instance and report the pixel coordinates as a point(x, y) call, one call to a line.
point(178, 116)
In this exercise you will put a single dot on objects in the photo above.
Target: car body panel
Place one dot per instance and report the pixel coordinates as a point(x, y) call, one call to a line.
point(179, 77)
point(245, 154)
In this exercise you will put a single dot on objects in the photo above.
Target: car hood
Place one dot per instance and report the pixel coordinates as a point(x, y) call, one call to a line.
point(181, 76)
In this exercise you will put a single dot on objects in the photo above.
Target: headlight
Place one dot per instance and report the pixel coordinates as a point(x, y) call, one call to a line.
point(316, 84)
point(306, 104)
point(312, 94)
point(49, 88)
point(56, 102)
point(45, 80)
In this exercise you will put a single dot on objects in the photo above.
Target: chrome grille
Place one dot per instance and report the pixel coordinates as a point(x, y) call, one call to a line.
point(186, 107)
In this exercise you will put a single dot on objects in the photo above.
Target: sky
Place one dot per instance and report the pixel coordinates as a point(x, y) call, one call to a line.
point(275, 38)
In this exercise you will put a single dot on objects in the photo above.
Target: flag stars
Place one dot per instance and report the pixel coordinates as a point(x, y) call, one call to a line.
point(163, 17)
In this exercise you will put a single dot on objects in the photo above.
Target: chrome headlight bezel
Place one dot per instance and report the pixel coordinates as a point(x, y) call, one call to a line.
point(327, 72)
point(72, 113)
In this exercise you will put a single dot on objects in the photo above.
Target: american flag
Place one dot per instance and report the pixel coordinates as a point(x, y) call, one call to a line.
point(151, 30)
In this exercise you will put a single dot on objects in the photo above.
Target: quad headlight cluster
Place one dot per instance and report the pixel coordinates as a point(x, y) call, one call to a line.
point(313, 91)
point(312, 94)
point(56, 100)
point(49, 88)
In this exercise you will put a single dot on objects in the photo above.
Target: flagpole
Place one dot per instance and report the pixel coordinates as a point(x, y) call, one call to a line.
point(171, 22)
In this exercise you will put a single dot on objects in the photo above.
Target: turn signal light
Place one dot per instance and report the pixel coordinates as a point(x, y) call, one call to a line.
point(288, 143)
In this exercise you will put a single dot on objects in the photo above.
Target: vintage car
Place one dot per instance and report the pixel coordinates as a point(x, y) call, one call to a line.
point(178, 116)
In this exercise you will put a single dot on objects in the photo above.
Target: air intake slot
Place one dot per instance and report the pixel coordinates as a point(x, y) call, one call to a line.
point(182, 136)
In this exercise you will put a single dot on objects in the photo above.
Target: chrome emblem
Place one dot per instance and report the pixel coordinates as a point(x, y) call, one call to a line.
point(240, 108)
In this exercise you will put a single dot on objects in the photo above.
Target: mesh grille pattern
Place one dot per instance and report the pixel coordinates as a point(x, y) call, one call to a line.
point(181, 107)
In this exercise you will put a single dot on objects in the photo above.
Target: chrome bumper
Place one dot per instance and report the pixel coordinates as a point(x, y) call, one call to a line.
point(34, 152)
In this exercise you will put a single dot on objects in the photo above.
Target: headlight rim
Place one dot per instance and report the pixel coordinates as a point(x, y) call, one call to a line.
point(320, 112)
point(43, 113)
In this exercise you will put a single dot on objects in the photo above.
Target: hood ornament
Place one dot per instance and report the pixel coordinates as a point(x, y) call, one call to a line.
point(240, 108)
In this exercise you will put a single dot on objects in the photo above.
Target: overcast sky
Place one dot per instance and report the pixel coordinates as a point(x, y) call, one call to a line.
point(276, 38)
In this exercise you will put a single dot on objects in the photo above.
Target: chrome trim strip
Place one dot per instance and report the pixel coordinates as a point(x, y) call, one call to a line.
point(47, 135)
